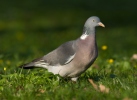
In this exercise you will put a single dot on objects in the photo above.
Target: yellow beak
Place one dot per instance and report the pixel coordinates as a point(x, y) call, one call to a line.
point(101, 24)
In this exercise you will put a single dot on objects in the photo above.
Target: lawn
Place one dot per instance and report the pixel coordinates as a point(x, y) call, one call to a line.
point(31, 30)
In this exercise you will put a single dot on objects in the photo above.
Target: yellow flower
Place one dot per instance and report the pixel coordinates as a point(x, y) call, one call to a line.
point(104, 47)
point(5, 68)
point(110, 61)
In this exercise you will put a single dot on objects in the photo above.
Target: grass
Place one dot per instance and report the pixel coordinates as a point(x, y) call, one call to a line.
point(28, 34)
point(119, 77)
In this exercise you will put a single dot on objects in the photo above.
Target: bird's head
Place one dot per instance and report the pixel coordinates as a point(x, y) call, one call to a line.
point(93, 21)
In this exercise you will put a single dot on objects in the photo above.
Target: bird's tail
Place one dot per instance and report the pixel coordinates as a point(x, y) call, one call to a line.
point(37, 63)
point(30, 65)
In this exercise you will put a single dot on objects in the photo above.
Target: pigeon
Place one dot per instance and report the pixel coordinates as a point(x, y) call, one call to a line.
point(74, 57)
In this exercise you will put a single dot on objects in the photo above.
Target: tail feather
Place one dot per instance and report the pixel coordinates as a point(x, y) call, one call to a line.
point(27, 66)
point(30, 65)
point(36, 63)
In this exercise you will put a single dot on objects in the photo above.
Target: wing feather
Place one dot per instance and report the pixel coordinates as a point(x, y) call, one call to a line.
point(60, 56)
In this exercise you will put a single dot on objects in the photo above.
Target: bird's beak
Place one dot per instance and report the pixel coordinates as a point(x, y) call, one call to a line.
point(101, 24)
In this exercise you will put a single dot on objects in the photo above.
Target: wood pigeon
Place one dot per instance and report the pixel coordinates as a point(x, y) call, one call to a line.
point(74, 57)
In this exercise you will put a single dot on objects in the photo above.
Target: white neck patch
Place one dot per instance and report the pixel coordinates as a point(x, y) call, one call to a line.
point(84, 36)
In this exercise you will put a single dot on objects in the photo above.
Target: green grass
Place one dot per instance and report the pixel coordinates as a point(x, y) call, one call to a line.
point(27, 33)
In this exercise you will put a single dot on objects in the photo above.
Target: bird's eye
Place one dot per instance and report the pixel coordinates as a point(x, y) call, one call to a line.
point(93, 20)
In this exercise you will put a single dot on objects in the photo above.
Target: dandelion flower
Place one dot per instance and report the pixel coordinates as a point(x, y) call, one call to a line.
point(104, 47)
point(5, 68)
point(110, 61)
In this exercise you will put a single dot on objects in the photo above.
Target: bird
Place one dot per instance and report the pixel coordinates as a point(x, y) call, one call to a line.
point(74, 57)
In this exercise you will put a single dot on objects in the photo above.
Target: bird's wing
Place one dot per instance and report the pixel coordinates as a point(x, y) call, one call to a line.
point(60, 56)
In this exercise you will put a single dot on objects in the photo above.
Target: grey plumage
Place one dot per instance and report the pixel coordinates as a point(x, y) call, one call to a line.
point(72, 58)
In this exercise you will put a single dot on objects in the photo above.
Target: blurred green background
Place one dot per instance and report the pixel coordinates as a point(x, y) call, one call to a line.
point(32, 28)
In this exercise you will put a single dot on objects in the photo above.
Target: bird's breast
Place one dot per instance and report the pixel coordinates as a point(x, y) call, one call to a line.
point(86, 53)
